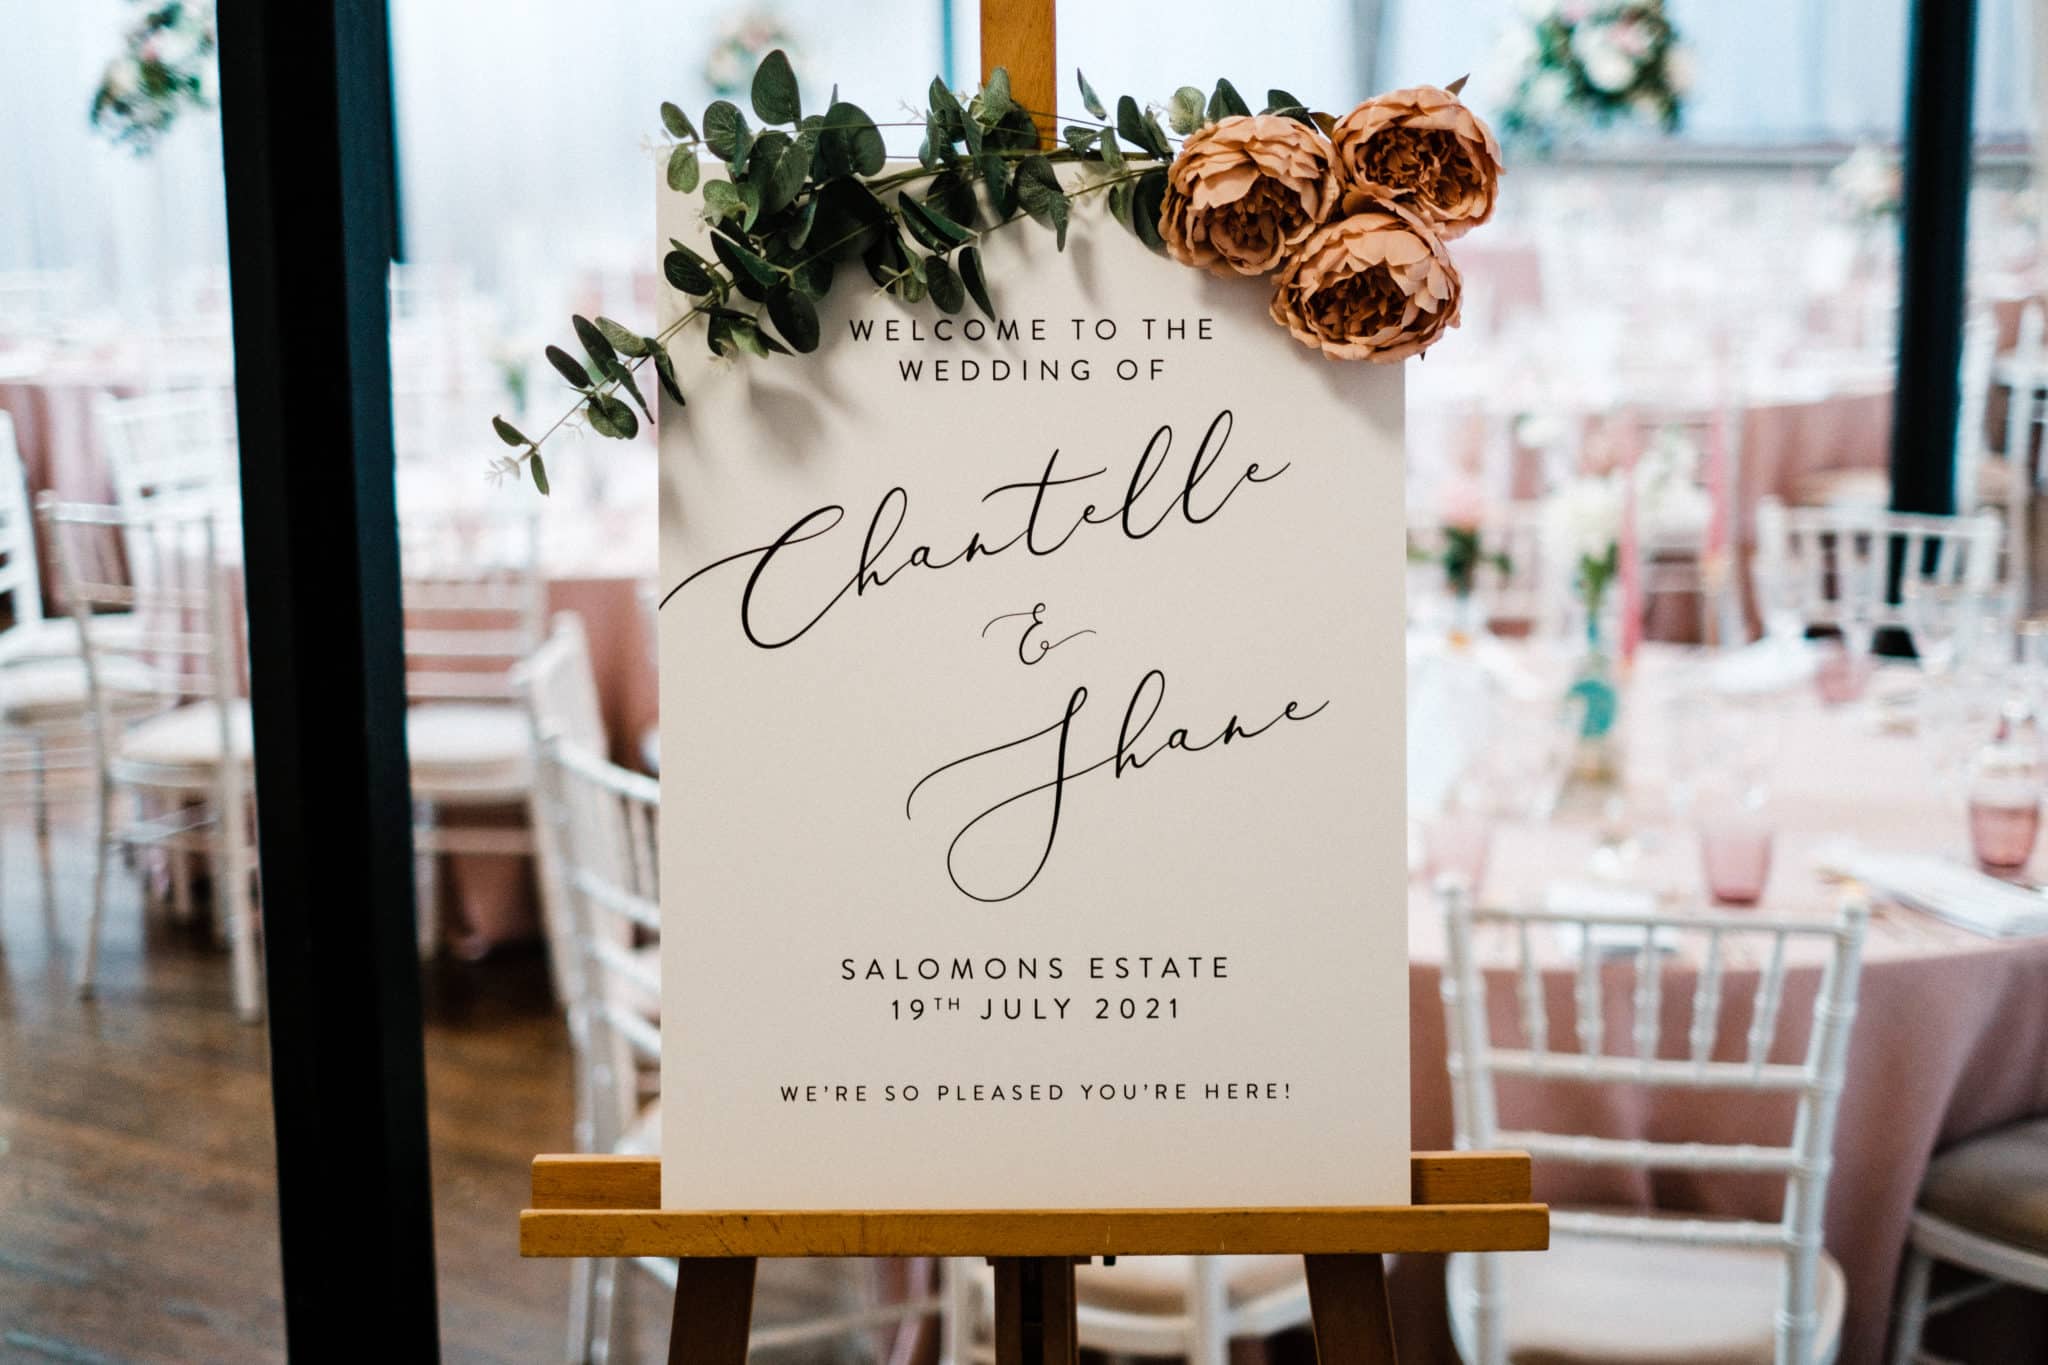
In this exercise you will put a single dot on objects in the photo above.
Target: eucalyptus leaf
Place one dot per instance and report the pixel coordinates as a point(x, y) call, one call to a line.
point(1226, 102)
point(677, 122)
point(722, 200)
point(775, 92)
point(1130, 121)
point(738, 256)
point(941, 97)
point(792, 173)
point(1184, 111)
point(866, 151)
point(943, 285)
point(1080, 140)
point(995, 97)
point(1112, 151)
point(682, 169)
point(568, 367)
point(1089, 99)
point(593, 340)
point(1145, 203)
point(540, 473)
point(952, 195)
point(665, 370)
point(508, 433)
point(600, 419)
point(977, 285)
point(814, 276)
point(794, 317)
point(995, 174)
point(626, 382)
point(685, 270)
point(725, 130)
point(929, 225)
point(1155, 138)
point(625, 425)
point(623, 341)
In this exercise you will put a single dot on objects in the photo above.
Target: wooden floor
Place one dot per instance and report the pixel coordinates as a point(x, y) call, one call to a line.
point(138, 1210)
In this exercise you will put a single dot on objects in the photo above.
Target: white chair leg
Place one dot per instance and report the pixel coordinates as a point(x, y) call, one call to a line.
point(231, 896)
point(1912, 1315)
point(89, 960)
point(426, 880)
point(581, 1274)
point(1209, 1318)
point(956, 1324)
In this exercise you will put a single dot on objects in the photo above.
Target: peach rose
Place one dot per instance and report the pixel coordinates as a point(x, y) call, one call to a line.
point(1376, 286)
point(1245, 191)
point(1424, 149)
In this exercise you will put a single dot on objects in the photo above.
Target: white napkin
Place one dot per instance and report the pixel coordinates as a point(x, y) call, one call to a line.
point(1601, 898)
point(1962, 896)
point(1769, 665)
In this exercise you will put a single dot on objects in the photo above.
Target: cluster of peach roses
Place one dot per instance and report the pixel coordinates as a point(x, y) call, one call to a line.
point(1353, 222)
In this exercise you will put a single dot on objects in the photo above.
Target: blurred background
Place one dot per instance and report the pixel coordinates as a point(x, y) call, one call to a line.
point(1678, 359)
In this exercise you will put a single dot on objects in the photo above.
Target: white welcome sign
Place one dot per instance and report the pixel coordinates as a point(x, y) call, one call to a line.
point(1032, 733)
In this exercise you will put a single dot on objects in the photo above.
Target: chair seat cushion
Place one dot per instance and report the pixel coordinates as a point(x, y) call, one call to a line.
point(187, 738)
point(1646, 1303)
point(1158, 1285)
point(43, 691)
point(472, 750)
point(1844, 488)
point(1995, 1185)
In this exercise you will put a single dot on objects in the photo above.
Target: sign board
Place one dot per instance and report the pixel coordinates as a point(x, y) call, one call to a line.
point(1032, 733)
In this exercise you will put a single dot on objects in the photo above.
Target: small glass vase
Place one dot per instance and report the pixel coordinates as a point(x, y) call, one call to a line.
point(1594, 699)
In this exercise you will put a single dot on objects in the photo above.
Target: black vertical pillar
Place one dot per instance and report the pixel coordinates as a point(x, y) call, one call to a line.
point(305, 114)
point(1939, 87)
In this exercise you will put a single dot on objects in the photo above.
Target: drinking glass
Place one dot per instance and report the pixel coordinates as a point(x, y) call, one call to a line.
point(2005, 806)
point(1736, 836)
point(1934, 618)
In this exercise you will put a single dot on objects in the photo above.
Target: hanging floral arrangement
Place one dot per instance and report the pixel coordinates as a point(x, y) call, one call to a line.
point(166, 66)
point(1592, 63)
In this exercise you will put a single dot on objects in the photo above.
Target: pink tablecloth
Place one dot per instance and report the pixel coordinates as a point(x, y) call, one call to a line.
point(55, 432)
point(494, 894)
point(1951, 1038)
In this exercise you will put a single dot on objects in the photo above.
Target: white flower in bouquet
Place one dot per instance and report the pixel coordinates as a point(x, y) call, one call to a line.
point(1607, 62)
point(124, 77)
point(1549, 93)
point(1669, 498)
point(1582, 521)
point(1867, 183)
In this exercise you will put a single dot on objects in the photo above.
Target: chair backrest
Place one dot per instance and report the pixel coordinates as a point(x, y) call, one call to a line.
point(608, 817)
point(474, 604)
point(173, 641)
point(1653, 954)
point(560, 690)
point(1830, 565)
point(21, 579)
point(168, 446)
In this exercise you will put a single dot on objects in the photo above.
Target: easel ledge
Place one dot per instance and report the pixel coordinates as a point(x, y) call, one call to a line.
point(610, 1206)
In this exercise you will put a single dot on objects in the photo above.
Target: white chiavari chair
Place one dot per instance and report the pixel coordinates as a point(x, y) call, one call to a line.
point(1980, 1210)
point(474, 606)
point(170, 726)
point(45, 702)
point(609, 818)
point(1828, 566)
point(168, 446)
point(2007, 483)
point(1627, 1286)
point(559, 688)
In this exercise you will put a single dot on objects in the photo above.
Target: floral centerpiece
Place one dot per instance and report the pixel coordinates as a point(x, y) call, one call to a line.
point(1460, 549)
point(166, 65)
point(1593, 63)
point(1348, 218)
point(1582, 528)
point(745, 36)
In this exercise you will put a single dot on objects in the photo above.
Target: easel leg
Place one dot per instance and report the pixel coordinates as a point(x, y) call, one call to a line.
point(714, 1309)
point(1035, 1311)
point(1348, 1297)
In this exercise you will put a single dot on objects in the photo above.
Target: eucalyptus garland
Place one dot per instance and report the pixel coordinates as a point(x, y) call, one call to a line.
point(803, 200)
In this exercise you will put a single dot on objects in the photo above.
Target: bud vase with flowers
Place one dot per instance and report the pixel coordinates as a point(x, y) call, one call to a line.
point(1582, 534)
point(1460, 550)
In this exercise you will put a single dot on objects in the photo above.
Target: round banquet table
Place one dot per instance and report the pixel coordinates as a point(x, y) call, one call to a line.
point(1951, 1037)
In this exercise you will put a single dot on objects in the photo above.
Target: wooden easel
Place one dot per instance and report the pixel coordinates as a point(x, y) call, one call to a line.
point(611, 1206)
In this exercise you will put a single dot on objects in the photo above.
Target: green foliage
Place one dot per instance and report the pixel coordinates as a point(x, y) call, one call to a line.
point(791, 200)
